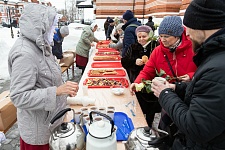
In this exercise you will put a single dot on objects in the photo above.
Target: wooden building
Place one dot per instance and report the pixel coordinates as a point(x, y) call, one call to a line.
point(141, 8)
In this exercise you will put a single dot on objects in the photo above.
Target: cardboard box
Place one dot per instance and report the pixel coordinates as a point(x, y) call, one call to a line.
point(67, 60)
point(7, 112)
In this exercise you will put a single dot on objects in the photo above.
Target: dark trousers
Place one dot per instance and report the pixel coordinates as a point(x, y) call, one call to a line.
point(149, 105)
point(82, 68)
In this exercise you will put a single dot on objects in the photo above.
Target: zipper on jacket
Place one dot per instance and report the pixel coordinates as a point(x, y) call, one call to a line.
point(175, 59)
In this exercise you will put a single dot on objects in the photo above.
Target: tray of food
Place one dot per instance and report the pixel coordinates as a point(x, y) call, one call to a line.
point(107, 58)
point(107, 53)
point(103, 44)
point(106, 65)
point(105, 82)
point(107, 50)
point(106, 73)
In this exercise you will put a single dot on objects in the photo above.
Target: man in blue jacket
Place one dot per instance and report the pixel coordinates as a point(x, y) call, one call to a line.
point(129, 27)
point(58, 39)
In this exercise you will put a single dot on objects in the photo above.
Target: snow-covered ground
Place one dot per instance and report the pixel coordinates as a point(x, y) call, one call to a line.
point(6, 42)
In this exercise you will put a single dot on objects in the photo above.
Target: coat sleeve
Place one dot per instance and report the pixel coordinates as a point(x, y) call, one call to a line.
point(23, 89)
point(202, 119)
point(127, 41)
point(148, 72)
point(96, 40)
point(117, 45)
point(85, 37)
point(109, 31)
point(180, 89)
point(128, 61)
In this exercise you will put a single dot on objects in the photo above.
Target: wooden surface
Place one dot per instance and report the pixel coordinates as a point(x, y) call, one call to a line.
point(104, 97)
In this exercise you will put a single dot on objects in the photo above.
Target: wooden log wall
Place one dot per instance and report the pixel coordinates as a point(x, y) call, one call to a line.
point(156, 8)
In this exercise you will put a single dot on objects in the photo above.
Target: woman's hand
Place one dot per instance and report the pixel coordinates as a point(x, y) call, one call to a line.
point(139, 62)
point(132, 89)
point(92, 44)
point(69, 88)
point(184, 78)
point(157, 86)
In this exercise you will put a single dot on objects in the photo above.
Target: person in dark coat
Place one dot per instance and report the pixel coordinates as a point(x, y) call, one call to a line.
point(110, 29)
point(129, 27)
point(197, 108)
point(150, 23)
point(133, 60)
point(106, 25)
point(58, 39)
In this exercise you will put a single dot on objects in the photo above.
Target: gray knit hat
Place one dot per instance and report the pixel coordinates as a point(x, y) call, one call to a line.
point(64, 30)
point(143, 28)
point(171, 25)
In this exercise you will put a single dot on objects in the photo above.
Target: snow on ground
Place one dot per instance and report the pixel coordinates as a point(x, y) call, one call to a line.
point(6, 42)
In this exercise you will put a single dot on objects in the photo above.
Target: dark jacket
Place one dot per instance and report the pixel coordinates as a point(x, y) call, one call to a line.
point(199, 115)
point(151, 24)
point(57, 48)
point(129, 34)
point(106, 25)
point(135, 51)
point(109, 31)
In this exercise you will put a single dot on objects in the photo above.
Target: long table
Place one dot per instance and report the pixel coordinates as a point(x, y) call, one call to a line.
point(104, 97)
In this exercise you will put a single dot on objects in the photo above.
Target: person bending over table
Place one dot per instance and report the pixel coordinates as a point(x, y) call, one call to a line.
point(84, 45)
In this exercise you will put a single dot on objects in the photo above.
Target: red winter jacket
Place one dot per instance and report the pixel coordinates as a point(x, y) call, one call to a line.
point(181, 61)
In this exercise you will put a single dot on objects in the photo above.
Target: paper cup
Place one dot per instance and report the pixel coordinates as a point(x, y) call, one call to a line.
point(97, 118)
point(102, 110)
point(84, 110)
point(110, 113)
point(77, 116)
point(86, 119)
point(111, 108)
point(93, 108)
point(163, 80)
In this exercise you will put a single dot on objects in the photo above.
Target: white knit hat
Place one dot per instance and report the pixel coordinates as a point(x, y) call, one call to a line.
point(64, 30)
point(93, 25)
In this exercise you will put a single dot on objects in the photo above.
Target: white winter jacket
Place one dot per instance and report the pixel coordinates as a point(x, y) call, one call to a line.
point(35, 75)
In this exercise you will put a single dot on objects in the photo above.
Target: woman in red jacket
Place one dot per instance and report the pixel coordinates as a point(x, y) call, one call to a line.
point(173, 55)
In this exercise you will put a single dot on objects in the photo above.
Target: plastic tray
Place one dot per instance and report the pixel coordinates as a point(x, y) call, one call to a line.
point(107, 50)
point(124, 126)
point(120, 73)
point(104, 42)
point(119, 81)
point(106, 65)
point(107, 53)
point(107, 58)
